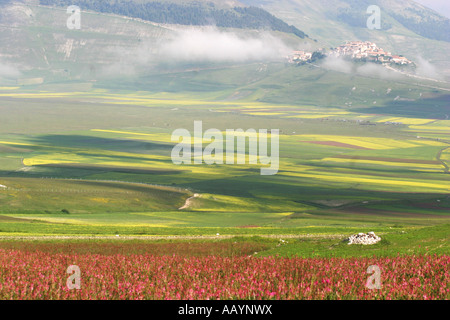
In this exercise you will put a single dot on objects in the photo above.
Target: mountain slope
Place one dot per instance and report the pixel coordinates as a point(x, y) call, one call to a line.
point(192, 13)
point(37, 44)
point(406, 13)
point(36, 41)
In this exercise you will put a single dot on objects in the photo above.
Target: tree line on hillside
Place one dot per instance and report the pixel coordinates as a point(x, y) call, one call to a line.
point(358, 19)
point(436, 29)
point(186, 14)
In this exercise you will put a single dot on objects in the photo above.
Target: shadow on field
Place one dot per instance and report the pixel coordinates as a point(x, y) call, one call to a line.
point(80, 141)
point(96, 148)
point(430, 108)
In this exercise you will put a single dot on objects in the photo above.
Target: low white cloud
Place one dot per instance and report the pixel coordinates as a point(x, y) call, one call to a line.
point(126, 61)
point(338, 64)
point(377, 71)
point(426, 69)
point(118, 69)
point(369, 69)
point(8, 71)
point(196, 45)
point(213, 45)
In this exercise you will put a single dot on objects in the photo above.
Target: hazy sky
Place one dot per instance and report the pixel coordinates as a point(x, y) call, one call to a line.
point(441, 6)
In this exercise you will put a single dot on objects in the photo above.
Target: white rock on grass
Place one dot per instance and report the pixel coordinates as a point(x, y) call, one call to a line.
point(365, 239)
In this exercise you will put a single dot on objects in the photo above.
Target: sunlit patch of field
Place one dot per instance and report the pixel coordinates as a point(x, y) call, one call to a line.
point(130, 220)
point(9, 88)
point(445, 156)
point(42, 95)
point(102, 96)
point(167, 138)
point(408, 165)
point(77, 161)
point(309, 116)
point(319, 114)
point(364, 142)
point(429, 143)
point(151, 102)
point(439, 129)
point(225, 203)
point(260, 106)
point(440, 123)
point(265, 113)
point(155, 137)
point(368, 182)
point(53, 196)
point(99, 157)
point(313, 112)
point(165, 219)
point(15, 143)
point(440, 126)
point(289, 112)
point(427, 128)
point(173, 100)
point(411, 121)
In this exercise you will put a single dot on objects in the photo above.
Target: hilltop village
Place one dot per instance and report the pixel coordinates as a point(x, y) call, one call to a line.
point(354, 50)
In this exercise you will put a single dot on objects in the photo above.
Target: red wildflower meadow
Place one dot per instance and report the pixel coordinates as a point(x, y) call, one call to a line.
point(40, 275)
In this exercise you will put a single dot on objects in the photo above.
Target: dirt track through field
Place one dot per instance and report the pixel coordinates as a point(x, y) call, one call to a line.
point(187, 204)
point(438, 157)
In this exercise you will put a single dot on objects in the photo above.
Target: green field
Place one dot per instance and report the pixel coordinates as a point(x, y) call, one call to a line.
point(95, 163)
